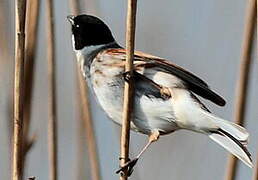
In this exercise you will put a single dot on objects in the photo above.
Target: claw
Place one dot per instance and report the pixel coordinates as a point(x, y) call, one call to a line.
point(164, 91)
point(127, 76)
point(127, 167)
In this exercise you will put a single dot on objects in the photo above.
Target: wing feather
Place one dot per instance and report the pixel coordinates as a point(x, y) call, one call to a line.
point(191, 81)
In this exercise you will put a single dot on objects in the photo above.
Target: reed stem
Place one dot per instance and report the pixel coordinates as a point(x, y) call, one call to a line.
point(242, 86)
point(128, 88)
point(85, 114)
point(20, 12)
point(32, 15)
point(52, 119)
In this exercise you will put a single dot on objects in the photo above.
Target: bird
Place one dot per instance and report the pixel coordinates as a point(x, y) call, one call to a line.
point(165, 97)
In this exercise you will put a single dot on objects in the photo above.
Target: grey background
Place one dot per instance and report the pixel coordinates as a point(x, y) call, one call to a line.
point(203, 36)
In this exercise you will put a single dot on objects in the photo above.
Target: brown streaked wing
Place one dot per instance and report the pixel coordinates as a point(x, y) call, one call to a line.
point(194, 84)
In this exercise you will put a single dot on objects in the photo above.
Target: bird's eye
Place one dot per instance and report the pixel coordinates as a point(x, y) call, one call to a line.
point(77, 25)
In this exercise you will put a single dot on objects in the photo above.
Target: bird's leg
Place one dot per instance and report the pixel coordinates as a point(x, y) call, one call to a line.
point(154, 136)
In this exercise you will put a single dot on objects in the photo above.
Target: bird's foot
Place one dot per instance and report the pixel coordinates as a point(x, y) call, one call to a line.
point(127, 76)
point(165, 92)
point(128, 167)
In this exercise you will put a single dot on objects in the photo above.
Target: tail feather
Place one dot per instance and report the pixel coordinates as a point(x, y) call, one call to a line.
point(231, 144)
point(232, 137)
point(235, 130)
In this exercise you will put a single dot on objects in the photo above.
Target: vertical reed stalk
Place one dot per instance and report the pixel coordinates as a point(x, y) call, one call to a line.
point(256, 166)
point(32, 18)
point(242, 86)
point(3, 33)
point(88, 128)
point(52, 121)
point(20, 12)
point(75, 7)
point(85, 114)
point(128, 89)
point(5, 59)
point(32, 15)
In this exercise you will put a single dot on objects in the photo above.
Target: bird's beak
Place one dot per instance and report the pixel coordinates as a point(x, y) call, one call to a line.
point(70, 18)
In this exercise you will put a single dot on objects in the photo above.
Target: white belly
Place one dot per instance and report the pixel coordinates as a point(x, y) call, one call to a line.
point(149, 114)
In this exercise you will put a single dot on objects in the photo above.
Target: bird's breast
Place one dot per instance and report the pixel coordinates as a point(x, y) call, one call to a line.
point(107, 81)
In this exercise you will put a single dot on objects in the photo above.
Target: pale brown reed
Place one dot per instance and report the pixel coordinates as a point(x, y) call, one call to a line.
point(20, 12)
point(242, 83)
point(52, 119)
point(32, 17)
point(255, 177)
point(3, 33)
point(129, 86)
point(86, 125)
point(5, 59)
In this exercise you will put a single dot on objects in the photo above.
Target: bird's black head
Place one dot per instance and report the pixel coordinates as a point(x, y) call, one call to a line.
point(89, 31)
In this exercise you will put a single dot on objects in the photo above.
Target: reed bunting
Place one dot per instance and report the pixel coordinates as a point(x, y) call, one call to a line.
point(165, 94)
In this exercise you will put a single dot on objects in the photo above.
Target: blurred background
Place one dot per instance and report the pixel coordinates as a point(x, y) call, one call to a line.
point(203, 36)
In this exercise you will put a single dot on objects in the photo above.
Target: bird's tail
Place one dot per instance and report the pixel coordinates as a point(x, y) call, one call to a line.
point(232, 137)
